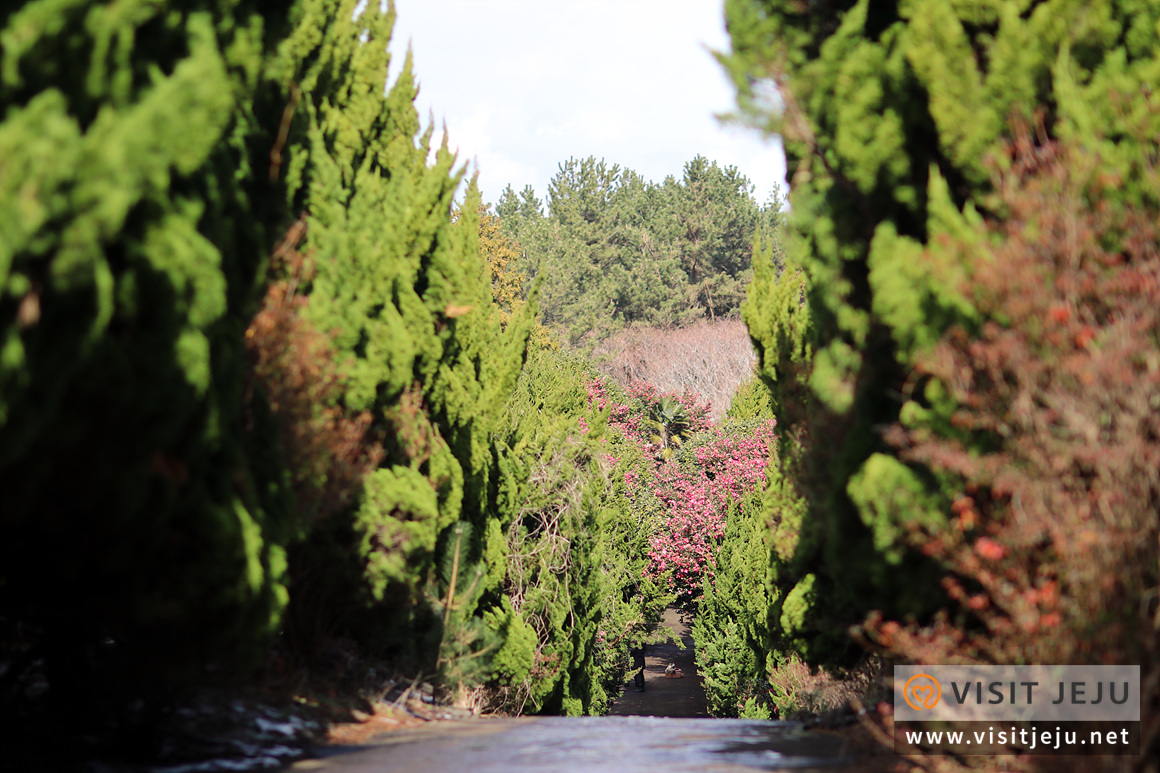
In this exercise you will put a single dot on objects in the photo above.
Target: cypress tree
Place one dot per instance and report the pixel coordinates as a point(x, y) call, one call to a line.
point(142, 523)
point(406, 294)
point(895, 117)
point(147, 507)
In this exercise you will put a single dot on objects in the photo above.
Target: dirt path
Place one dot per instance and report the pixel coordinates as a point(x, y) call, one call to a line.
point(664, 697)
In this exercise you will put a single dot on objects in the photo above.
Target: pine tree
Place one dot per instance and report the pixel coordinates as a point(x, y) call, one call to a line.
point(616, 250)
point(524, 206)
point(717, 217)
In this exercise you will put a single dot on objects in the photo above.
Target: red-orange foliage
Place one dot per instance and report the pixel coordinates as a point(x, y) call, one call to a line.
point(1052, 545)
point(326, 449)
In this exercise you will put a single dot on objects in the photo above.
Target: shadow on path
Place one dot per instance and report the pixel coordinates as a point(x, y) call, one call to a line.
point(662, 696)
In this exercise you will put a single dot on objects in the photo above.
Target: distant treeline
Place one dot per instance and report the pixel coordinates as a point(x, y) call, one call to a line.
point(614, 249)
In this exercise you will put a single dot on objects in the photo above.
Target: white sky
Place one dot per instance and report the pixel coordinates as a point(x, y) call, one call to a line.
point(524, 84)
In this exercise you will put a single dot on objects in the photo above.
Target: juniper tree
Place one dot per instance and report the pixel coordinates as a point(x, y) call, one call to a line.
point(146, 498)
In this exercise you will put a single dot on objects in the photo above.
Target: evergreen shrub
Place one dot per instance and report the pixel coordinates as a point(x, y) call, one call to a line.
point(958, 350)
point(144, 519)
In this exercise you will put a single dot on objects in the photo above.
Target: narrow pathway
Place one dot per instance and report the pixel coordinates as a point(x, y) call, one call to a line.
point(665, 729)
point(663, 696)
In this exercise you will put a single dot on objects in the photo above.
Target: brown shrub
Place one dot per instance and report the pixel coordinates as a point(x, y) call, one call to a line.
point(799, 690)
point(1052, 545)
point(326, 449)
point(709, 358)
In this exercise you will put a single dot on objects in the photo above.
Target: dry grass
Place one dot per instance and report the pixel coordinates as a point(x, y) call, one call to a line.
point(709, 358)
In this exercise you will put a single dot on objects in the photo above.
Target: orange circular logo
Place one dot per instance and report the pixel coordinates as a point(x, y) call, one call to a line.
point(922, 691)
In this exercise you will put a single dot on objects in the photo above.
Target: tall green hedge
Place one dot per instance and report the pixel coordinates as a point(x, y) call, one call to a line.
point(573, 552)
point(895, 115)
point(401, 287)
point(485, 546)
point(152, 156)
point(147, 513)
point(136, 214)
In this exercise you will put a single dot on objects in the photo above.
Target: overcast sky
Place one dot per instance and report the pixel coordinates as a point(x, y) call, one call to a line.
point(524, 84)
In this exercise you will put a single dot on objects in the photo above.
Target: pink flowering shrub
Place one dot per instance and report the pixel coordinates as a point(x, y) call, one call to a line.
point(695, 490)
point(690, 492)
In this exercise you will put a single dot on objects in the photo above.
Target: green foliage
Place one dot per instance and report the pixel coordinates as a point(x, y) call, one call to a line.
point(895, 116)
point(616, 250)
point(730, 629)
point(798, 610)
point(178, 457)
point(144, 515)
point(1054, 410)
point(509, 277)
point(574, 553)
point(325, 448)
point(891, 498)
point(403, 288)
point(750, 402)
point(512, 664)
point(465, 637)
point(670, 425)
point(143, 469)
point(754, 709)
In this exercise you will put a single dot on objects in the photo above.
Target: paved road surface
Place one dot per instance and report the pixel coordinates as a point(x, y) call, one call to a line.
point(665, 729)
point(590, 745)
point(663, 697)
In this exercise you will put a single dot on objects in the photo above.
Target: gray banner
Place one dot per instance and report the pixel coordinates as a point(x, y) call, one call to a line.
point(1016, 693)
